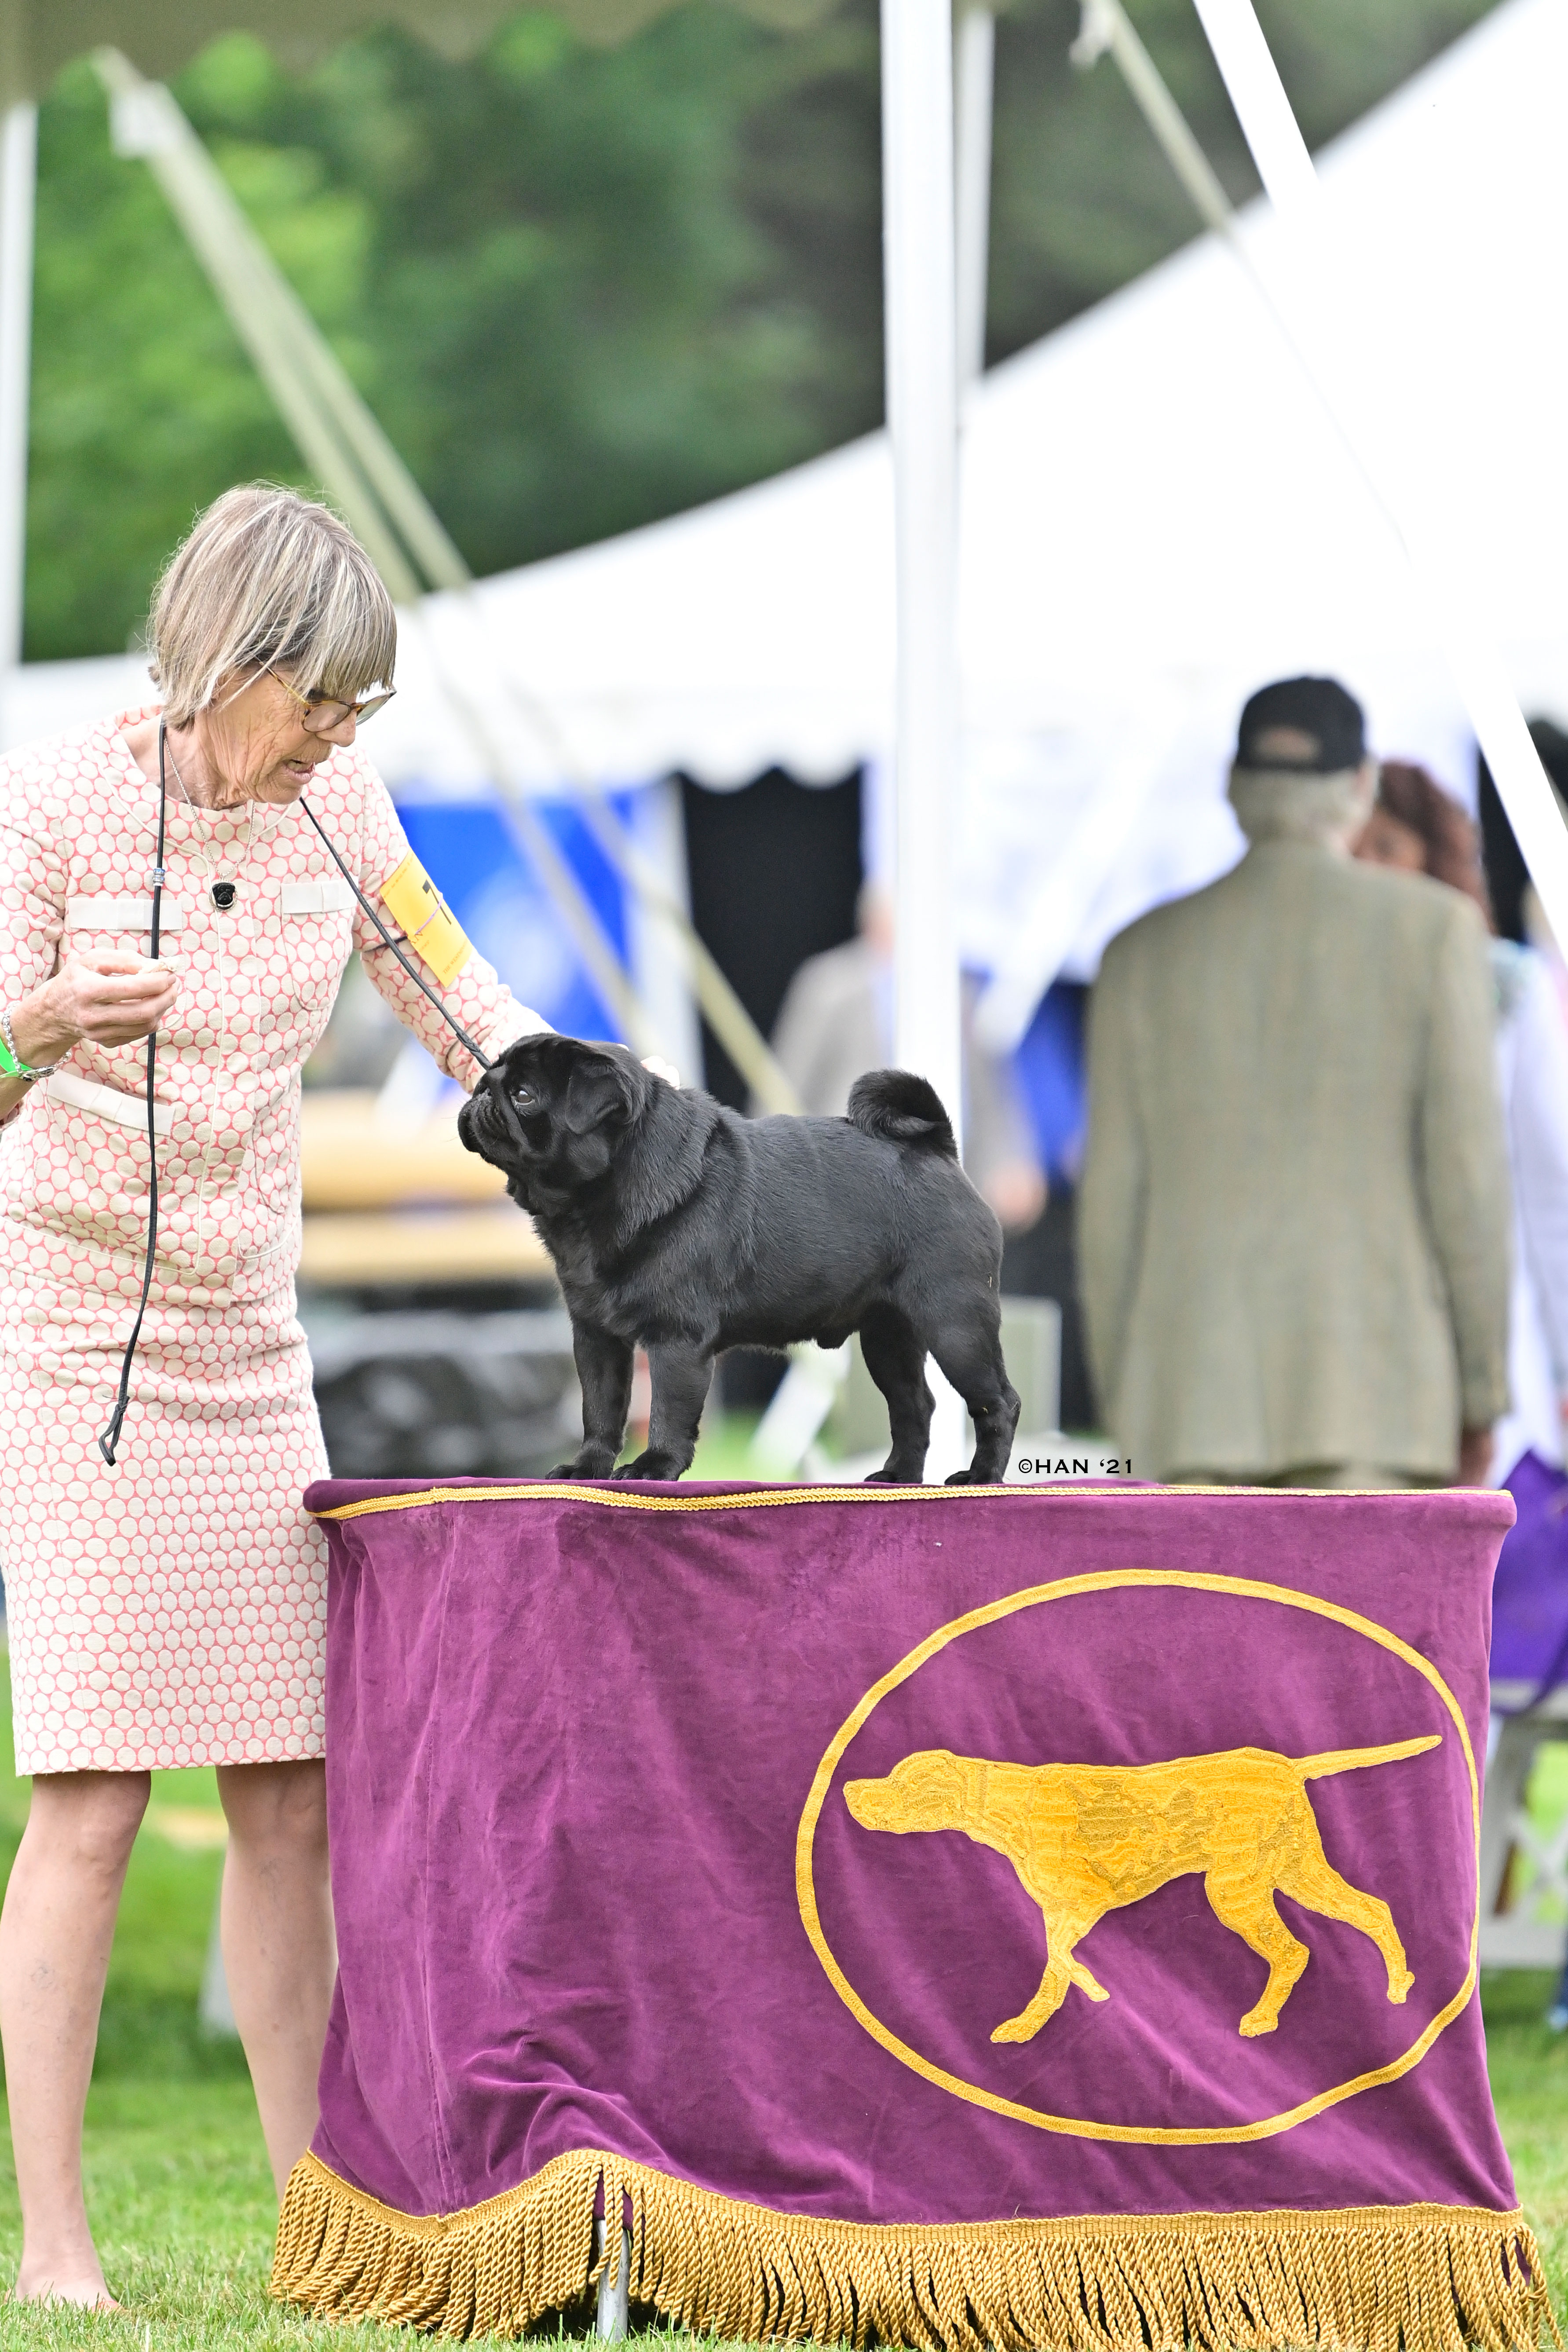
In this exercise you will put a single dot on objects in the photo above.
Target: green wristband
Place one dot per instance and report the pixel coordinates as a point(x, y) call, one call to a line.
point(12, 1065)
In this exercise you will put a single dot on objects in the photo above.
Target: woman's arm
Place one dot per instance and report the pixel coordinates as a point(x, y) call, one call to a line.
point(56, 1002)
point(474, 995)
point(108, 999)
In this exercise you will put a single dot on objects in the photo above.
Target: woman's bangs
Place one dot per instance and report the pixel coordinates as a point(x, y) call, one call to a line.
point(347, 645)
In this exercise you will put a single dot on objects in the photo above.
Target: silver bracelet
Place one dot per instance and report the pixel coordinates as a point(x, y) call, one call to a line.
point(27, 1071)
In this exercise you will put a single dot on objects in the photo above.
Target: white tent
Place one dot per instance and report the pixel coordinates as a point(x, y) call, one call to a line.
point(1156, 516)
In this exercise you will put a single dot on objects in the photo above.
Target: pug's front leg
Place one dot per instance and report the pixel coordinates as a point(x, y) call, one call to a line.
point(605, 1375)
point(680, 1371)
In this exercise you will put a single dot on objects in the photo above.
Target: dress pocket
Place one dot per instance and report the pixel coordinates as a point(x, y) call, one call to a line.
point(107, 1102)
point(316, 935)
point(101, 919)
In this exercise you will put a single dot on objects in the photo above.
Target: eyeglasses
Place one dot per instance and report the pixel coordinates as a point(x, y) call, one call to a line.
point(322, 713)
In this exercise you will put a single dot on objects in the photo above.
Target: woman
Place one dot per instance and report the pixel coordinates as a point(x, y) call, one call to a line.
point(1417, 825)
point(171, 1609)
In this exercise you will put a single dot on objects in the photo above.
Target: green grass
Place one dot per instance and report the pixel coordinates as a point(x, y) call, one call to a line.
point(723, 1446)
point(177, 2179)
point(1529, 2068)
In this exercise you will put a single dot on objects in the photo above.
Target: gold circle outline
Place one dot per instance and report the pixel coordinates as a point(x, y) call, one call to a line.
point(1078, 2127)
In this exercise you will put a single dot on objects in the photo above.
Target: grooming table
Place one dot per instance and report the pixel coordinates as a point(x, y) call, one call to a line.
point(941, 1916)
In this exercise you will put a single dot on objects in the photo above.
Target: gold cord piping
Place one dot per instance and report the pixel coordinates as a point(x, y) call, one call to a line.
point(544, 1490)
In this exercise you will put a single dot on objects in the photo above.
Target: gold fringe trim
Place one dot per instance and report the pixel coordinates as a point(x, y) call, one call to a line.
point(1403, 2278)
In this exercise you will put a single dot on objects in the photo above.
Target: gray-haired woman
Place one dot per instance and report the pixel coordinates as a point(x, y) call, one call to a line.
point(171, 1609)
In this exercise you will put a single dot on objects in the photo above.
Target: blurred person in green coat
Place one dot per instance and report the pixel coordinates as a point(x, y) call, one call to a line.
point(1294, 1218)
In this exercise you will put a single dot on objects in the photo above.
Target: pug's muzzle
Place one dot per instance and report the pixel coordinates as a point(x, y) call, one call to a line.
point(492, 1119)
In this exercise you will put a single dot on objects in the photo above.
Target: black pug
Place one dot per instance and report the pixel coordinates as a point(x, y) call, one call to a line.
point(679, 1226)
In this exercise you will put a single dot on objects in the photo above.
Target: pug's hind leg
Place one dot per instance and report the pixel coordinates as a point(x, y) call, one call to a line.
point(971, 1360)
point(605, 1375)
point(896, 1362)
point(680, 1372)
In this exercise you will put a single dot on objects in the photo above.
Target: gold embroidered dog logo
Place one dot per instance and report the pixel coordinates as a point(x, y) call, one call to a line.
point(1086, 1838)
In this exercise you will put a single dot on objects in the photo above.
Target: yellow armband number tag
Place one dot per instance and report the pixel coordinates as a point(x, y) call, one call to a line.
point(412, 899)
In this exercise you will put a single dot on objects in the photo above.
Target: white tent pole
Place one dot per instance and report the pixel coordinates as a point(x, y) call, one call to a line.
point(1286, 171)
point(922, 379)
point(18, 174)
point(974, 65)
point(920, 304)
point(1262, 106)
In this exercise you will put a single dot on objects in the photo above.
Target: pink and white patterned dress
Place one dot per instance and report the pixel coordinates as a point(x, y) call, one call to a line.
point(172, 1611)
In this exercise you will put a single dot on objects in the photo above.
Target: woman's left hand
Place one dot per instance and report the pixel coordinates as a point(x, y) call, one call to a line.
point(665, 1070)
point(111, 998)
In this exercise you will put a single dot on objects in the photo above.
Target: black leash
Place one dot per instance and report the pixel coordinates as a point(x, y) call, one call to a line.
point(461, 1033)
point(109, 1442)
point(487, 1066)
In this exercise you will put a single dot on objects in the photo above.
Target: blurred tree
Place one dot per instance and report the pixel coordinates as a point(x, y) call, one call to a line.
point(143, 404)
point(1083, 200)
point(582, 287)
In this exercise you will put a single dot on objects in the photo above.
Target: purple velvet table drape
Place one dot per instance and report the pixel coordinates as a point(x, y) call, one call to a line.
point(1008, 1917)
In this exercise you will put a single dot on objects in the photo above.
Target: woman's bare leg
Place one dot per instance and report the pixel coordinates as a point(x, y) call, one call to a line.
point(55, 1932)
point(279, 1948)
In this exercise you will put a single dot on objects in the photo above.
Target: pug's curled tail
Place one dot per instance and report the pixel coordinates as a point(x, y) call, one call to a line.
point(898, 1107)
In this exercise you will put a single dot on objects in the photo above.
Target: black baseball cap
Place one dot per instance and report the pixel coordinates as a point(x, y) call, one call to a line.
point(1316, 708)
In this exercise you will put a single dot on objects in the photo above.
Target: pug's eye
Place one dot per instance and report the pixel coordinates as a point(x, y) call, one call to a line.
point(522, 1094)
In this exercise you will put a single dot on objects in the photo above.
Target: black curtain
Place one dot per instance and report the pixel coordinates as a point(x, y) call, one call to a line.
point(775, 871)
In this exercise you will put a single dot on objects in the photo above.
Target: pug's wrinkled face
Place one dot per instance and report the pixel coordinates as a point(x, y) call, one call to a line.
point(553, 1112)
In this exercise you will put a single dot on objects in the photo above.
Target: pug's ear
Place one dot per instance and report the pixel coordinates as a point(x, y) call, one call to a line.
point(598, 1091)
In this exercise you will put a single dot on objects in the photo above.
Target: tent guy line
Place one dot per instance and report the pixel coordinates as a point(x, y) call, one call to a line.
point(1286, 168)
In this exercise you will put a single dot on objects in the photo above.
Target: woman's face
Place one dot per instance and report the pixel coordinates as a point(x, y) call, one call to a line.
point(1386, 841)
point(255, 742)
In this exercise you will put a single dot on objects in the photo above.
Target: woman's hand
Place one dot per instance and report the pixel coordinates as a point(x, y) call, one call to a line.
point(108, 999)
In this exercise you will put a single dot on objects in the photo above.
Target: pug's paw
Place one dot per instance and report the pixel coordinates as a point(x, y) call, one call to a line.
point(651, 1465)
